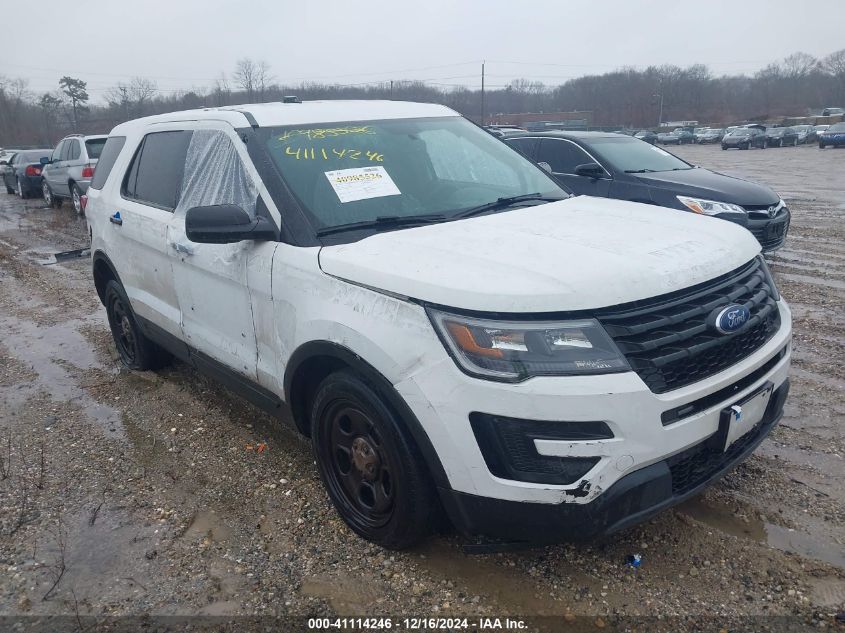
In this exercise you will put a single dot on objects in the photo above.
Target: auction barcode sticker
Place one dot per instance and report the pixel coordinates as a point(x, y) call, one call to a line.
point(362, 183)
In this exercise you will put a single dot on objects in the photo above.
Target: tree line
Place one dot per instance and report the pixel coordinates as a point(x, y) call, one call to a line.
point(627, 97)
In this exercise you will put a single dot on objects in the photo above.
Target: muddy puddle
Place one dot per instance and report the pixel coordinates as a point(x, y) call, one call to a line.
point(749, 526)
point(59, 355)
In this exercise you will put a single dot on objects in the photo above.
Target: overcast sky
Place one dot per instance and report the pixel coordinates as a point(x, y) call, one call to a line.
point(187, 43)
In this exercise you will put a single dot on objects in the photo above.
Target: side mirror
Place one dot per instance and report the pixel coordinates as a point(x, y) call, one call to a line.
point(590, 170)
point(45, 160)
point(226, 224)
point(545, 167)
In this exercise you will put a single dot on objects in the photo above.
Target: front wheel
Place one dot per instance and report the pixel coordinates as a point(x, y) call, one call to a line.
point(51, 200)
point(724, 147)
point(135, 349)
point(821, 145)
point(795, 142)
point(76, 197)
point(370, 466)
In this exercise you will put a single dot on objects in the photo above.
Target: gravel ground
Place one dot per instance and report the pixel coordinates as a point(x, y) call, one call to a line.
point(127, 493)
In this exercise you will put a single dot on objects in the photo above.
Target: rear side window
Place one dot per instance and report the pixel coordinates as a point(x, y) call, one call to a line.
point(155, 175)
point(74, 151)
point(110, 151)
point(65, 150)
point(94, 147)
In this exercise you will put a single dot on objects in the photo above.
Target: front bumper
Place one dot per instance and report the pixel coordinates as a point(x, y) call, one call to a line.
point(631, 500)
point(769, 231)
point(443, 399)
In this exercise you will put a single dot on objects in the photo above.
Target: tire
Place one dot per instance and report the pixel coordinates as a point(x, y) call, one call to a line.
point(821, 145)
point(76, 198)
point(51, 200)
point(724, 147)
point(780, 143)
point(136, 350)
point(23, 195)
point(371, 468)
point(795, 142)
point(9, 190)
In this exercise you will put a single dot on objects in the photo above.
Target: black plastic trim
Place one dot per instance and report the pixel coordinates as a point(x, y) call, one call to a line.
point(507, 445)
point(696, 406)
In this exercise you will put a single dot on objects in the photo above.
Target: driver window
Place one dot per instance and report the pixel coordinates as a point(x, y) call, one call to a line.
point(215, 174)
point(57, 153)
point(562, 155)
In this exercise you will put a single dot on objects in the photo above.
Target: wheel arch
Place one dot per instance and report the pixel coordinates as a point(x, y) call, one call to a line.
point(313, 361)
point(103, 271)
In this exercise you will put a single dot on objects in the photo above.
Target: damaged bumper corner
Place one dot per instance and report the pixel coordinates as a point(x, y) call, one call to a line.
point(631, 500)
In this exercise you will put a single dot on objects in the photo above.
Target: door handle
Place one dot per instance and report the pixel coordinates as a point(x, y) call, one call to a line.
point(116, 219)
point(182, 248)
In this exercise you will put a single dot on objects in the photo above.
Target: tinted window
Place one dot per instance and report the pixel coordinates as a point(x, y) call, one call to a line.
point(562, 156)
point(110, 151)
point(634, 156)
point(94, 147)
point(57, 153)
point(524, 146)
point(155, 176)
point(74, 151)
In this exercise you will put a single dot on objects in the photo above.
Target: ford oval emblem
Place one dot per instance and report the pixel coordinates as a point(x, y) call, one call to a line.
point(731, 318)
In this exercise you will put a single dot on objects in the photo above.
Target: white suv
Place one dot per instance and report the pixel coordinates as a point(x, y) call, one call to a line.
point(452, 330)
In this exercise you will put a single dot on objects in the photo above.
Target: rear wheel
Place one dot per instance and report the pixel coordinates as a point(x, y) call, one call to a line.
point(795, 142)
point(21, 192)
point(821, 145)
point(372, 470)
point(135, 349)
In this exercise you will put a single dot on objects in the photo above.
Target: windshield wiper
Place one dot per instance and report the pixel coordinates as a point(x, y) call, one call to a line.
point(505, 202)
point(384, 221)
point(640, 171)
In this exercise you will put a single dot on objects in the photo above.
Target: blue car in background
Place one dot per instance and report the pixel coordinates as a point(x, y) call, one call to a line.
point(833, 136)
point(23, 173)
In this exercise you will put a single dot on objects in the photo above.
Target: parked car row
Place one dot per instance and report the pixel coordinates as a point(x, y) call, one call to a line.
point(59, 174)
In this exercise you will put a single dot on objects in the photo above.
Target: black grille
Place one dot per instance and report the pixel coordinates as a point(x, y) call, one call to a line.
point(668, 340)
point(771, 235)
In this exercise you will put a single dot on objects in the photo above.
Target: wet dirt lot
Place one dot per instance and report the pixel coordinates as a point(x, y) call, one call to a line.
point(161, 493)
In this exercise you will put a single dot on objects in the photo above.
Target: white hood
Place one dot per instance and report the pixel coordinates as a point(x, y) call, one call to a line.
point(576, 254)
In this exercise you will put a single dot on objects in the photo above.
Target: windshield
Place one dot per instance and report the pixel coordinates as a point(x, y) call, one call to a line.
point(360, 171)
point(743, 132)
point(95, 147)
point(626, 154)
point(778, 131)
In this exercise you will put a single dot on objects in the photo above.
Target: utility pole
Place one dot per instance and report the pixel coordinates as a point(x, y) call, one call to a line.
point(482, 94)
point(391, 90)
point(660, 114)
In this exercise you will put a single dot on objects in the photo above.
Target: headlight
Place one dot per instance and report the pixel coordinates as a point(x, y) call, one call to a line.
point(512, 350)
point(709, 207)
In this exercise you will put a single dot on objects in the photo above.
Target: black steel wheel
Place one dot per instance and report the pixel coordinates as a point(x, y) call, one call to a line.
point(371, 468)
point(135, 349)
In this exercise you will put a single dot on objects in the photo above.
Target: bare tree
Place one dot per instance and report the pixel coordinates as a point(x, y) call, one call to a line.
point(222, 91)
point(246, 76)
point(263, 77)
